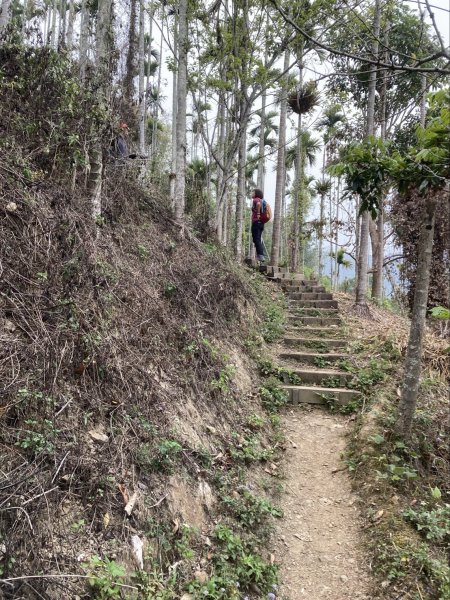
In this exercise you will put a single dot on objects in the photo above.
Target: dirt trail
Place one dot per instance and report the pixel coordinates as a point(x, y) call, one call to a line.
point(318, 541)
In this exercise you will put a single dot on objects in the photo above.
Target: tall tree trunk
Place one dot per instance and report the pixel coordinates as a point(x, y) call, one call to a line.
point(361, 284)
point(297, 226)
point(53, 26)
point(130, 62)
point(221, 154)
point(103, 53)
point(180, 173)
point(141, 63)
point(336, 240)
point(63, 24)
point(174, 111)
point(70, 24)
point(423, 98)
point(84, 36)
point(320, 233)
point(281, 170)
point(357, 235)
point(240, 196)
point(158, 93)
point(378, 274)
point(262, 147)
point(413, 360)
point(5, 15)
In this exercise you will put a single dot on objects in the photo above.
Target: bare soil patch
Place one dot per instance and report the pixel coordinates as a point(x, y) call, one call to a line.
point(319, 540)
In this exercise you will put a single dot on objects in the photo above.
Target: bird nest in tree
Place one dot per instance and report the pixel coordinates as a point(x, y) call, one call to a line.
point(303, 99)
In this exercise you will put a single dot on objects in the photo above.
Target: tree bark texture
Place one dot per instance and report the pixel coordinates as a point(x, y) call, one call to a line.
point(130, 63)
point(180, 173)
point(361, 284)
point(5, 15)
point(174, 112)
point(240, 196)
point(141, 62)
point(281, 176)
point(411, 379)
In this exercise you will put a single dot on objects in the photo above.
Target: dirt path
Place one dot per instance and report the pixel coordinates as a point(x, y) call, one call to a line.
point(318, 541)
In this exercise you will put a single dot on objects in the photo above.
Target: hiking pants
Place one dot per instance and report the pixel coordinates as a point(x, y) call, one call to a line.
point(257, 229)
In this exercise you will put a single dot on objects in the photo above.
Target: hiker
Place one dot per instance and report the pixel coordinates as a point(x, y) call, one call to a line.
point(257, 224)
point(119, 144)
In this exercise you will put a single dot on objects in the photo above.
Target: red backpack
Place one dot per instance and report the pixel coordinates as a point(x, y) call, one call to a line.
point(266, 212)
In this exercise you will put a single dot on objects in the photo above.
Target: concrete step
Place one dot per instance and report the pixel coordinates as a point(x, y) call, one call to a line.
point(311, 320)
point(320, 395)
point(313, 303)
point(310, 296)
point(312, 358)
point(301, 311)
point(318, 332)
point(322, 376)
point(314, 343)
point(309, 289)
point(283, 277)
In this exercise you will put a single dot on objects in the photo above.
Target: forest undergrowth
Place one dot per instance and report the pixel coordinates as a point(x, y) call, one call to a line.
point(404, 487)
point(131, 406)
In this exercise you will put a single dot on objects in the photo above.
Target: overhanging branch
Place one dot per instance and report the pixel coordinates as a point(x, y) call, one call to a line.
point(379, 63)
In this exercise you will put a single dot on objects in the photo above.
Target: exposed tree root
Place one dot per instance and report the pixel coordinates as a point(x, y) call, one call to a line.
point(362, 310)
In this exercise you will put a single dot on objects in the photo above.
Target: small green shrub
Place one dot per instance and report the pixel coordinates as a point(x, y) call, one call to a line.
point(273, 397)
point(104, 577)
point(433, 523)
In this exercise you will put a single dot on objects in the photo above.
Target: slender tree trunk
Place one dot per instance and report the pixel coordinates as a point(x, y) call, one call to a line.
point(336, 246)
point(229, 219)
point(357, 236)
point(5, 15)
point(141, 63)
point(413, 360)
point(330, 214)
point(158, 92)
point(321, 218)
point(63, 23)
point(240, 197)
point(221, 154)
point(361, 285)
point(261, 150)
point(130, 62)
point(103, 53)
point(296, 229)
point(70, 24)
point(281, 174)
point(180, 173)
point(423, 99)
point(53, 25)
point(84, 35)
point(174, 111)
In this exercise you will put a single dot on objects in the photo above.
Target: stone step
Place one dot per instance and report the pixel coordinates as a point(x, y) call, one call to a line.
point(320, 332)
point(310, 296)
point(312, 358)
point(322, 376)
point(301, 311)
point(313, 303)
point(320, 395)
point(283, 277)
point(309, 289)
point(311, 320)
point(314, 343)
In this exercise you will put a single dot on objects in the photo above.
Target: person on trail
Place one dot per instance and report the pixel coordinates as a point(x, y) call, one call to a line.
point(119, 144)
point(257, 224)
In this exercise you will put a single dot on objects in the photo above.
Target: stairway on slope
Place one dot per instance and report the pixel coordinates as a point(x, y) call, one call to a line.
point(314, 341)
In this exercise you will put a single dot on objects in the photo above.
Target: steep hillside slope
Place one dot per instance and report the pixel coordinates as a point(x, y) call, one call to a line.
point(130, 406)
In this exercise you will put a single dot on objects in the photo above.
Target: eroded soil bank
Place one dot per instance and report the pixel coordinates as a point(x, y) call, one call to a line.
point(319, 539)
